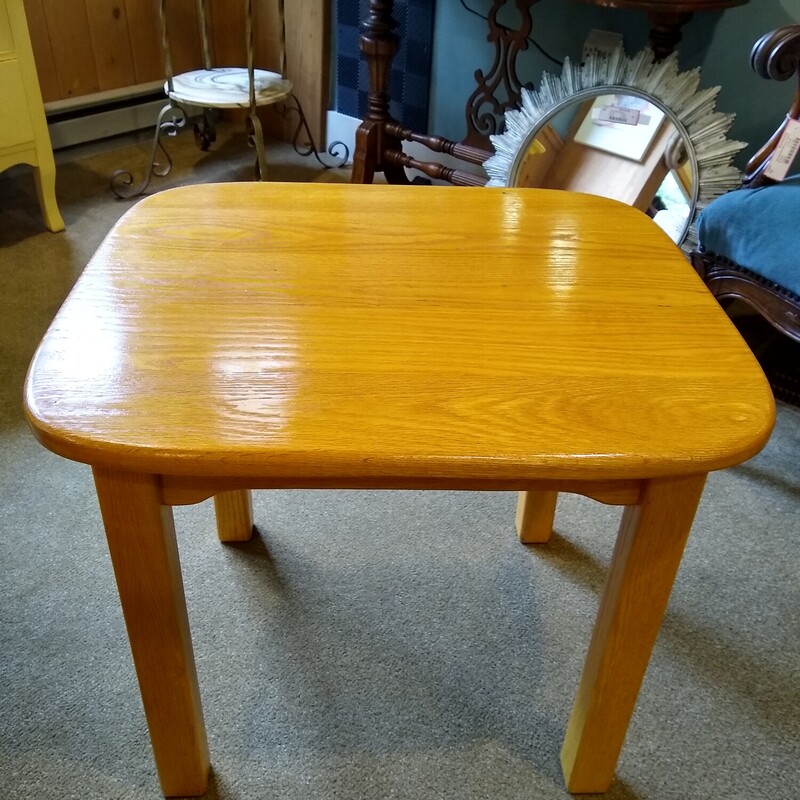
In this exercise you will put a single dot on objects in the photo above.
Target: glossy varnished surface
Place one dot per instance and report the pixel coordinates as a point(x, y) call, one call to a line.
point(340, 331)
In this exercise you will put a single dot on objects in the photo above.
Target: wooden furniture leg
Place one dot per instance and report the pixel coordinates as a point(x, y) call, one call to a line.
point(144, 553)
point(536, 510)
point(378, 43)
point(646, 557)
point(366, 155)
point(44, 176)
point(234, 512)
point(665, 30)
point(380, 137)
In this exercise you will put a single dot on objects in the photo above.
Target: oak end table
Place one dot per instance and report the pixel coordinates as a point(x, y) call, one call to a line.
point(256, 336)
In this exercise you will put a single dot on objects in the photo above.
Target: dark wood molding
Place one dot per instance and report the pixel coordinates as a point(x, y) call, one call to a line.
point(780, 307)
point(498, 89)
point(775, 56)
point(380, 137)
point(667, 17)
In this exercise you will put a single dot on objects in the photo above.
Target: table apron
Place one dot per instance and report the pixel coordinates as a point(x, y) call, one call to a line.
point(180, 490)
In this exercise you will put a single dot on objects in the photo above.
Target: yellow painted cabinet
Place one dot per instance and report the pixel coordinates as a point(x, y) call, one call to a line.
point(23, 129)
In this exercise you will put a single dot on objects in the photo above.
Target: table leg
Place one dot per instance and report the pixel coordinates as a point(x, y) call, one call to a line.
point(645, 561)
point(366, 156)
point(144, 553)
point(234, 512)
point(536, 510)
point(378, 42)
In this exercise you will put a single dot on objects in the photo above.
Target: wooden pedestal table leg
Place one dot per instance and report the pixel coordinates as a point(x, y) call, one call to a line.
point(234, 512)
point(141, 539)
point(379, 43)
point(366, 155)
point(536, 510)
point(645, 561)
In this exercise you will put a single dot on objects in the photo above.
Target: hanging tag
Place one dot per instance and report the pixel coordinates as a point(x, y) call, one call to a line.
point(783, 155)
point(625, 116)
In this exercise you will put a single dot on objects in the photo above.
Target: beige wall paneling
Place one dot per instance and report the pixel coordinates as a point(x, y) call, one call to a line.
point(70, 40)
point(184, 36)
point(111, 43)
point(145, 38)
point(87, 46)
point(144, 35)
point(307, 53)
point(42, 50)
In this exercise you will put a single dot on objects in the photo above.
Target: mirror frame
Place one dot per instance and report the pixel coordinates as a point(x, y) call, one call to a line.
point(678, 94)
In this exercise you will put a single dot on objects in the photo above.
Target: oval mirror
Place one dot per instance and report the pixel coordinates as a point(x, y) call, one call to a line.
point(628, 128)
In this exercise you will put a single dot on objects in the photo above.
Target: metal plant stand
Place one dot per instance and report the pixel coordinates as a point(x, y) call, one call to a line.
point(212, 88)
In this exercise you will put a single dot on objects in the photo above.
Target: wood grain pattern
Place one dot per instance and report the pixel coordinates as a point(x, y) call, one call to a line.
point(184, 36)
point(144, 553)
point(145, 38)
point(234, 512)
point(181, 490)
point(535, 513)
point(108, 25)
point(333, 331)
point(43, 52)
point(307, 54)
point(308, 61)
point(71, 43)
point(646, 557)
point(243, 335)
point(85, 46)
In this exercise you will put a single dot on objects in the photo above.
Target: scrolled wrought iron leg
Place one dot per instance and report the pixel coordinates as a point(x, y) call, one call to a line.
point(257, 137)
point(124, 178)
point(205, 132)
point(309, 148)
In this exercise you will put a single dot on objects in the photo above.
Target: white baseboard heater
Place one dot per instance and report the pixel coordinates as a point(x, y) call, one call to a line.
point(99, 116)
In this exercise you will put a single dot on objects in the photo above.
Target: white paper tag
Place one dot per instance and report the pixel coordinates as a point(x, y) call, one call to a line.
point(625, 116)
point(783, 155)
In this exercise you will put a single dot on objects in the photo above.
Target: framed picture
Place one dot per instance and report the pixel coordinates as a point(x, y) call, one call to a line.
point(622, 124)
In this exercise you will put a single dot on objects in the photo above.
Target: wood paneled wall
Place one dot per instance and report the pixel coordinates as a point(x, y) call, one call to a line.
point(87, 46)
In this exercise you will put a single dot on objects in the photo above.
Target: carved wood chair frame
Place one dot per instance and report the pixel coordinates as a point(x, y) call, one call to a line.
point(775, 56)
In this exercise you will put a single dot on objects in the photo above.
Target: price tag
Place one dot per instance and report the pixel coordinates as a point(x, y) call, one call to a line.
point(783, 155)
point(625, 116)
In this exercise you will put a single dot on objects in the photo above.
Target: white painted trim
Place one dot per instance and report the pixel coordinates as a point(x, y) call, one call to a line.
point(101, 98)
point(91, 127)
point(343, 128)
point(104, 124)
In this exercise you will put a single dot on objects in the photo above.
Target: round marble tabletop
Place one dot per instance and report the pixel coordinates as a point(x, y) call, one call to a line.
point(227, 87)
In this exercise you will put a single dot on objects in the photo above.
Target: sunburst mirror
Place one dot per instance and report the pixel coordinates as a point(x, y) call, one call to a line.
point(626, 127)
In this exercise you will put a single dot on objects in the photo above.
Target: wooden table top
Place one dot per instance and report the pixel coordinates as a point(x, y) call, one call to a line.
point(314, 330)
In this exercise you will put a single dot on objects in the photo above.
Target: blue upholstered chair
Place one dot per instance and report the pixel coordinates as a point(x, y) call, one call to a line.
point(749, 239)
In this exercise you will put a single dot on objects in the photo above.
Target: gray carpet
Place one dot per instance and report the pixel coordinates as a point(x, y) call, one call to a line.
point(371, 645)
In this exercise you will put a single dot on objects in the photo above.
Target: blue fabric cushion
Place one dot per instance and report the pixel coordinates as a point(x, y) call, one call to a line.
point(758, 229)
